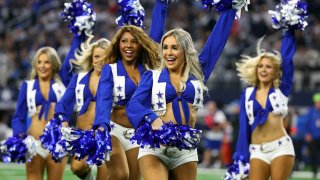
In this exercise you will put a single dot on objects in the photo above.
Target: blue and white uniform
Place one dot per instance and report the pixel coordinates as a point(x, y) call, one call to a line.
point(251, 112)
point(30, 98)
point(114, 77)
point(77, 96)
point(30, 95)
point(155, 91)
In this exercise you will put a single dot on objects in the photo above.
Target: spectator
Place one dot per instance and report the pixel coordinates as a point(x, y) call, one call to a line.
point(214, 122)
point(312, 136)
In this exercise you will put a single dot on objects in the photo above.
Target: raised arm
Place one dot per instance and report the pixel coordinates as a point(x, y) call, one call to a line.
point(242, 148)
point(138, 108)
point(18, 122)
point(66, 71)
point(287, 51)
point(104, 99)
point(65, 107)
point(158, 23)
point(216, 42)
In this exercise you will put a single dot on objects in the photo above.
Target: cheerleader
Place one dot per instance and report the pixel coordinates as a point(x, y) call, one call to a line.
point(37, 99)
point(81, 93)
point(171, 96)
point(263, 139)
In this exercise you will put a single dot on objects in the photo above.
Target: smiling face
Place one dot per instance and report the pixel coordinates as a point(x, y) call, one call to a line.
point(44, 67)
point(173, 54)
point(129, 47)
point(266, 70)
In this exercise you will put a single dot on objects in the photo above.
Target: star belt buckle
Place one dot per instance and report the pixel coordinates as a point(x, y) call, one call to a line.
point(128, 134)
point(267, 147)
point(171, 152)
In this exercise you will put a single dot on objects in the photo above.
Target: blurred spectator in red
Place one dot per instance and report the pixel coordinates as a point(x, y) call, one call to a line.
point(214, 123)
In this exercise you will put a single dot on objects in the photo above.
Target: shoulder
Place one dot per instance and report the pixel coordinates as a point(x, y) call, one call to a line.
point(107, 68)
point(248, 91)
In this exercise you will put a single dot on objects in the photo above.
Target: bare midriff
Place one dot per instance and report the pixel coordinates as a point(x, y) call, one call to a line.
point(85, 120)
point(271, 130)
point(37, 125)
point(169, 116)
point(120, 117)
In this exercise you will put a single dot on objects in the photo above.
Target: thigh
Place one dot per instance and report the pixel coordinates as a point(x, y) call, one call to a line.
point(187, 171)
point(118, 160)
point(281, 167)
point(35, 168)
point(102, 172)
point(152, 168)
point(79, 165)
point(132, 158)
point(55, 170)
point(259, 170)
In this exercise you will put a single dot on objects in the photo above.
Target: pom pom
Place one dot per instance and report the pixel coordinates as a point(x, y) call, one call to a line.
point(80, 142)
point(145, 136)
point(60, 150)
point(19, 148)
point(220, 5)
point(132, 13)
point(83, 143)
point(289, 14)
point(102, 150)
point(239, 4)
point(80, 15)
point(51, 139)
point(179, 136)
point(238, 170)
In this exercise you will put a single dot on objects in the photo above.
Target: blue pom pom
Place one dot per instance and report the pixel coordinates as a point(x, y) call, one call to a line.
point(80, 15)
point(237, 170)
point(18, 148)
point(180, 136)
point(102, 149)
point(220, 5)
point(51, 139)
point(86, 143)
point(81, 142)
point(290, 14)
point(132, 13)
point(145, 136)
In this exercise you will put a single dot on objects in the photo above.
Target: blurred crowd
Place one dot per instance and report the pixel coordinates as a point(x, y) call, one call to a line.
point(26, 26)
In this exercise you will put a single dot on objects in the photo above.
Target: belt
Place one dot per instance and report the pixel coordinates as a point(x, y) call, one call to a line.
point(271, 146)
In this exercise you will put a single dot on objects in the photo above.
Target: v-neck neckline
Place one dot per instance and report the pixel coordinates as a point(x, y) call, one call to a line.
point(86, 80)
point(124, 72)
point(253, 96)
point(37, 86)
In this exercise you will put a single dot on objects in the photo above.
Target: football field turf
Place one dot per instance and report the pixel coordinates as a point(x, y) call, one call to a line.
point(17, 172)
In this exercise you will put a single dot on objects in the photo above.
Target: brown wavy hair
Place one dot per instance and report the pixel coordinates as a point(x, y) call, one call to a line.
point(148, 55)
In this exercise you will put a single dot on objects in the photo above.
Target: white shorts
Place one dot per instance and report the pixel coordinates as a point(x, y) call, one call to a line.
point(123, 134)
point(271, 150)
point(41, 151)
point(171, 156)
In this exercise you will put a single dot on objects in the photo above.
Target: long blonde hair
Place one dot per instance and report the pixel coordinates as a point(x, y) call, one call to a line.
point(148, 55)
point(84, 55)
point(54, 59)
point(191, 65)
point(247, 67)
